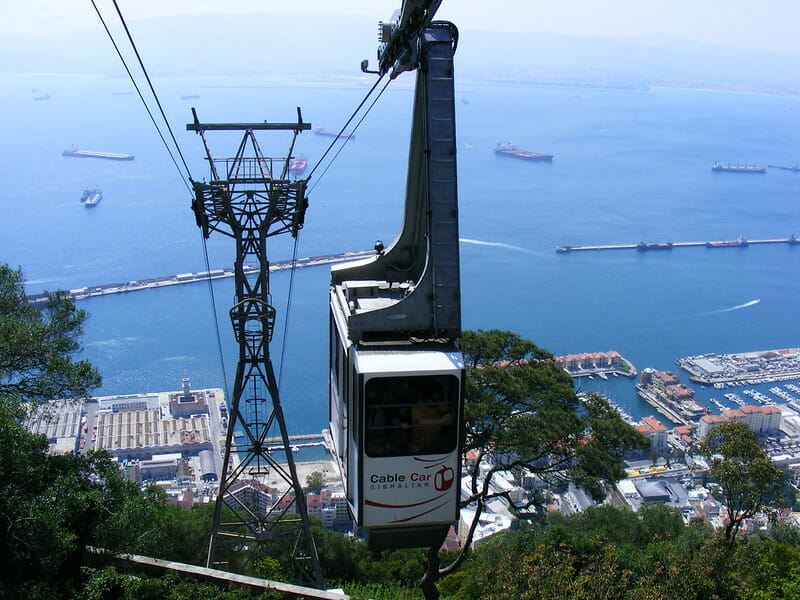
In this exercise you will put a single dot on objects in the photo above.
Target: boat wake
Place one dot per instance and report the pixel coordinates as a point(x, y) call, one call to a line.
point(718, 311)
point(113, 343)
point(499, 245)
point(737, 307)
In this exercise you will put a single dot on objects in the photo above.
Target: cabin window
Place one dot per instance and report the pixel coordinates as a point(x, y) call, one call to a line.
point(335, 355)
point(410, 415)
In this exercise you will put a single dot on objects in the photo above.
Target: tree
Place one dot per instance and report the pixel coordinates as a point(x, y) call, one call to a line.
point(750, 481)
point(51, 508)
point(38, 344)
point(522, 415)
point(315, 482)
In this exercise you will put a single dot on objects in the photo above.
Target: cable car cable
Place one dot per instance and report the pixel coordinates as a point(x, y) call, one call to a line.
point(141, 97)
point(152, 89)
point(328, 166)
point(214, 312)
point(288, 306)
point(352, 116)
point(364, 116)
point(177, 167)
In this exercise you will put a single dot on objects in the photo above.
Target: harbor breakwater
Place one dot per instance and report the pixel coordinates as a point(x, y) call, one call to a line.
point(644, 246)
point(157, 282)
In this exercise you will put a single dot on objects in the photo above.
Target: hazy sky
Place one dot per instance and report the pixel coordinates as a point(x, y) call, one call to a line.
point(765, 25)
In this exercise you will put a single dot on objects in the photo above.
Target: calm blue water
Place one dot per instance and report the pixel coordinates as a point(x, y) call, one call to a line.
point(628, 167)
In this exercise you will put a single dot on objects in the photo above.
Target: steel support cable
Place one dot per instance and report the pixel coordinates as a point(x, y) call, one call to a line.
point(364, 116)
point(352, 116)
point(141, 97)
point(288, 306)
point(216, 318)
point(297, 237)
point(152, 89)
point(180, 174)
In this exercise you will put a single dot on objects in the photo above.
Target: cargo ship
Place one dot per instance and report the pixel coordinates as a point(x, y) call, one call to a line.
point(76, 153)
point(91, 197)
point(738, 242)
point(720, 168)
point(654, 246)
point(333, 134)
point(297, 166)
point(512, 151)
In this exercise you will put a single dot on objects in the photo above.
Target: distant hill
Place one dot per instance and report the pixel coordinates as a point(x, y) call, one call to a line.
point(308, 46)
point(660, 60)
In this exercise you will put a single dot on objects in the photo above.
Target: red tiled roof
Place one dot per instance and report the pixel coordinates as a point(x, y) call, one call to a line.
point(733, 413)
point(654, 423)
point(713, 418)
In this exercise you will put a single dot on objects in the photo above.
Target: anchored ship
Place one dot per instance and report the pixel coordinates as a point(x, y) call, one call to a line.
point(297, 166)
point(512, 151)
point(76, 153)
point(740, 241)
point(333, 134)
point(719, 167)
point(654, 246)
point(91, 197)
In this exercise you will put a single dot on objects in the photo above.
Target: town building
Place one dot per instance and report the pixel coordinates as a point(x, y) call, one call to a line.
point(763, 420)
point(656, 432)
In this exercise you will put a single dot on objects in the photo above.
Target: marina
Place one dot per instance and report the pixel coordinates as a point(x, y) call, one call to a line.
point(601, 364)
point(740, 242)
point(735, 398)
point(749, 368)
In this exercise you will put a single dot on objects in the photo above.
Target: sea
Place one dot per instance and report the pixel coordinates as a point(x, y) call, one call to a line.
point(628, 166)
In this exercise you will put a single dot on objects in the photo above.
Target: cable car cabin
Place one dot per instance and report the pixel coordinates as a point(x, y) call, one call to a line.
point(395, 415)
point(396, 375)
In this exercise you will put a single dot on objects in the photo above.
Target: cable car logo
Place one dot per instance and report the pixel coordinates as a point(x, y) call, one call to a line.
point(443, 479)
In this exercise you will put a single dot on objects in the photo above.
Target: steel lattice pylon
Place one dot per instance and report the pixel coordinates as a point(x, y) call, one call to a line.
point(249, 200)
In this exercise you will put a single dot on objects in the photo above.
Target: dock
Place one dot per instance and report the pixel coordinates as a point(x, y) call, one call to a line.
point(157, 282)
point(744, 368)
point(647, 246)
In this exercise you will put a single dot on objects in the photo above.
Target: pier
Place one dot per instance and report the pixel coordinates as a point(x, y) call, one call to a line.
point(157, 282)
point(645, 246)
point(745, 368)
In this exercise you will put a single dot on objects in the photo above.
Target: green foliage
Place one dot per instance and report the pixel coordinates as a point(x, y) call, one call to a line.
point(37, 346)
point(51, 507)
point(522, 411)
point(144, 524)
point(346, 561)
point(614, 553)
point(380, 591)
point(314, 482)
point(110, 584)
point(748, 478)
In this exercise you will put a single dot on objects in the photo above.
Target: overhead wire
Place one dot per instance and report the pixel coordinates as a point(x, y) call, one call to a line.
point(141, 96)
point(150, 83)
point(325, 170)
point(352, 116)
point(288, 306)
point(188, 171)
point(214, 312)
point(172, 156)
point(364, 116)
